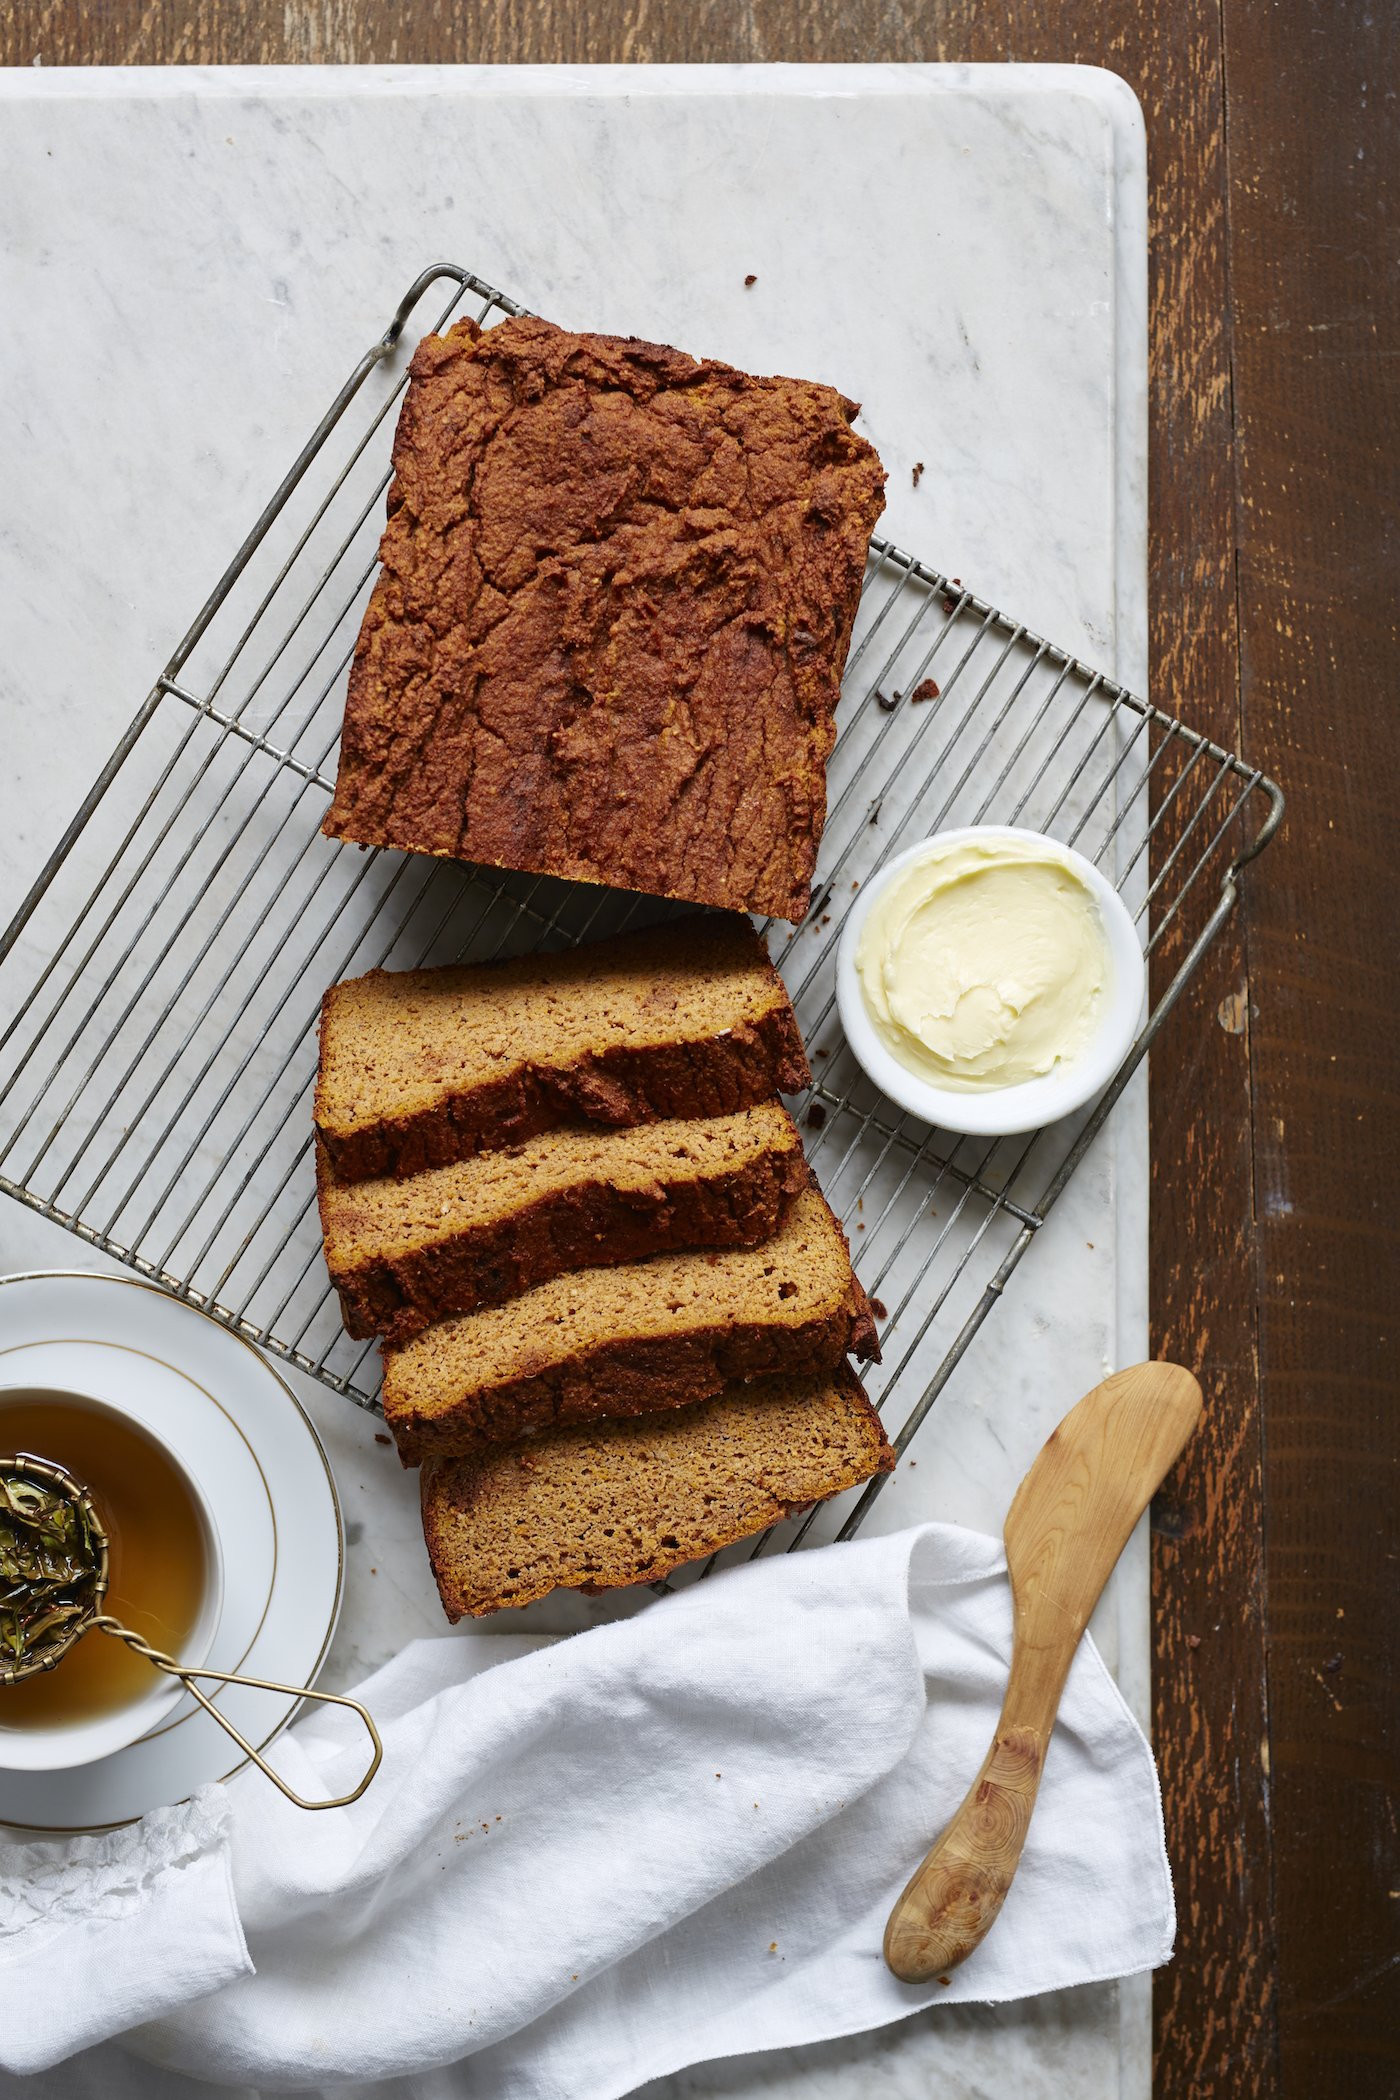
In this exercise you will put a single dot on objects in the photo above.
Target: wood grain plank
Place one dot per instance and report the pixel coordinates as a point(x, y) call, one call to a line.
point(1313, 202)
point(1287, 320)
point(1215, 2015)
point(442, 32)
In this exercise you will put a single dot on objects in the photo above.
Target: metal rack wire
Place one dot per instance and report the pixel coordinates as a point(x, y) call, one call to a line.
point(163, 976)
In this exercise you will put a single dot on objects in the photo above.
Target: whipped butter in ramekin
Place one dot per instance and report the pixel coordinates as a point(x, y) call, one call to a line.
point(990, 980)
point(984, 963)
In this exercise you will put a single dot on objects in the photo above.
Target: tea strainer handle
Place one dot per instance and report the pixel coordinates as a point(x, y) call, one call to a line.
point(263, 1684)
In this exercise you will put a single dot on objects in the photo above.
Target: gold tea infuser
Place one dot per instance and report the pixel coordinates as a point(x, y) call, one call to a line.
point(51, 1595)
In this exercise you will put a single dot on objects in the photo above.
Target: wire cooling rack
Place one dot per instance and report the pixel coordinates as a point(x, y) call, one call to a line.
point(163, 976)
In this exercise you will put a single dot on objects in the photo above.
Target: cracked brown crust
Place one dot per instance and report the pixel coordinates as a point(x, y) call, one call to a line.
point(617, 593)
point(728, 1185)
point(625, 1341)
point(698, 1023)
point(613, 1503)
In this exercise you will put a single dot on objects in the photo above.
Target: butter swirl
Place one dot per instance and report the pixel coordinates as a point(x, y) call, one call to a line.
point(985, 964)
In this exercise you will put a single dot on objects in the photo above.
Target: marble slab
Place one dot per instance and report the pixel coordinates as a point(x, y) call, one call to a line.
point(190, 261)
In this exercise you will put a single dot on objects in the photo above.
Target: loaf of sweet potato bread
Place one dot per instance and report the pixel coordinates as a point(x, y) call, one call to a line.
point(402, 1253)
point(629, 1340)
point(617, 593)
point(616, 1502)
point(422, 1067)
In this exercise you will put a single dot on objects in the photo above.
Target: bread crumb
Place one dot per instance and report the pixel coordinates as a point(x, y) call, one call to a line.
point(751, 279)
point(380, 1438)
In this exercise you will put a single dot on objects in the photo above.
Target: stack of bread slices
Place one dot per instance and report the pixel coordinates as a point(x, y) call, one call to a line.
point(616, 1310)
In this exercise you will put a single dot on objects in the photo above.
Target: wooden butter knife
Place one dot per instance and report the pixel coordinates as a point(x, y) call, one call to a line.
point(1071, 1518)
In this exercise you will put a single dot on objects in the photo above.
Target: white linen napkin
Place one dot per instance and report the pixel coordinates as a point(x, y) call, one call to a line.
point(665, 1840)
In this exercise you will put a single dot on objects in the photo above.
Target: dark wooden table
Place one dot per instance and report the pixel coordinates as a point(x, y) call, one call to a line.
point(1276, 1110)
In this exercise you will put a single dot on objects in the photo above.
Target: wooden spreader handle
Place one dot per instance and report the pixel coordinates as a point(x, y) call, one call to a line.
point(1072, 1517)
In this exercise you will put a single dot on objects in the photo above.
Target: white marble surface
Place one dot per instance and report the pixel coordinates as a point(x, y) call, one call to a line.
point(189, 262)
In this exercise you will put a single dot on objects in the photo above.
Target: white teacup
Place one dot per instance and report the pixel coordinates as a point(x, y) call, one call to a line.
point(79, 1742)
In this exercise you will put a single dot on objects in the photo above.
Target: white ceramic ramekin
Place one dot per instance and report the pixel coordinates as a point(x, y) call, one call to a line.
point(1033, 1102)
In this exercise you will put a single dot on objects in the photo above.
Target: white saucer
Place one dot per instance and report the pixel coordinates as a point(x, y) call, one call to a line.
point(245, 1437)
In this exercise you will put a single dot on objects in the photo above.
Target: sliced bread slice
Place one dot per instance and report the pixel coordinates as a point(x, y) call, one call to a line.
point(629, 1340)
point(423, 1067)
point(609, 1503)
point(402, 1253)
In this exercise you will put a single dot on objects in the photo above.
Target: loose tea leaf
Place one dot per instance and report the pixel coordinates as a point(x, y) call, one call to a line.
point(49, 1566)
